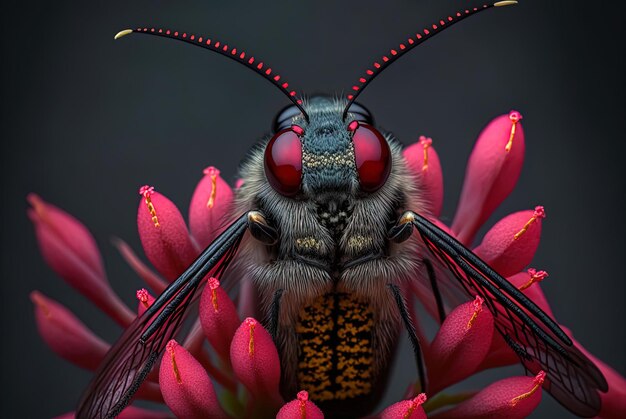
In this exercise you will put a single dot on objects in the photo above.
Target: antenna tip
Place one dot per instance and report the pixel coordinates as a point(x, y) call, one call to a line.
point(505, 3)
point(122, 33)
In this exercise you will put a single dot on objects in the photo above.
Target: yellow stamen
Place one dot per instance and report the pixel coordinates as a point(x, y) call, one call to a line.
point(478, 307)
point(514, 117)
point(213, 191)
point(528, 284)
point(470, 323)
point(214, 300)
point(303, 409)
point(175, 367)
point(152, 210)
point(535, 276)
point(251, 325)
point(425, 165)
point(525, 228)
point(538, 381)
point(415, 403)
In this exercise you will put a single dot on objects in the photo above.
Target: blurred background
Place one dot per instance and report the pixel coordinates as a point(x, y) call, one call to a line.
point(86, 121)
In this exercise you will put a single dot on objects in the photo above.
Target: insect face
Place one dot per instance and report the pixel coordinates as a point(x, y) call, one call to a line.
point(327, 154)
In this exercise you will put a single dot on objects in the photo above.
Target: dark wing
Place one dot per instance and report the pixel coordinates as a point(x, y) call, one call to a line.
point(132, 357)
point(539, 342)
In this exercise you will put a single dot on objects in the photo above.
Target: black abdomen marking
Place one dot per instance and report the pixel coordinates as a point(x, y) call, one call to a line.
point(335, 353)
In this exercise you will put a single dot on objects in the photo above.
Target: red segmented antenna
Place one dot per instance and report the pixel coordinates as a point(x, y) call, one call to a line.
point(224, 49)
point(412, 42)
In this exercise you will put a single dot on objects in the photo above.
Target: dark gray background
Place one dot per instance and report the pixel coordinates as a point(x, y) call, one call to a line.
point(86, 120)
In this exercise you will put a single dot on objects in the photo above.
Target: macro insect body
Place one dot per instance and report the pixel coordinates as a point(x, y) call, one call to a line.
point(330, 213)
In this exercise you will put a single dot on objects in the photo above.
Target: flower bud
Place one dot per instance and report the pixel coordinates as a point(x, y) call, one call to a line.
point(492, 172)
point(255, 361)
point(67, 336)
point(511, 244)
point(460, 345)
point(218, 317)
point(210, 203)
point(511, 398)
point(301, 408)
point(70, 250)
point(423, 162)
point(186, 387)
point(163, 234)
point(406, 409)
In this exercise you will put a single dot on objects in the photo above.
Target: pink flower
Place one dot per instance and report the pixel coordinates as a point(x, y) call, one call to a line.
point(211, 200)
point(71, 252)
point(186, 386)
point(460, 345)
point(514, 397)
point(491, 174)
point(67, 336)
point(229, 368)
point(255, 361)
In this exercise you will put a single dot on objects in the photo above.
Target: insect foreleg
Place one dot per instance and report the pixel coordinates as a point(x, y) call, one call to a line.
point(415, 342)
point(402, 231)
point(274, 313)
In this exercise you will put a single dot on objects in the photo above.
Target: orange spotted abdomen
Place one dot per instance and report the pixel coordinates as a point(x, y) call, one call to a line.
point(335, 351)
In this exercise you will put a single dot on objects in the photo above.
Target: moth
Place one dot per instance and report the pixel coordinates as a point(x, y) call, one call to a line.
point(328, 225)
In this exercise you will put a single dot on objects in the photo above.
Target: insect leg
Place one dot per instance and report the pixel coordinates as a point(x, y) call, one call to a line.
point(415, 342)
point(274, 312)
point(435, 287)
point(402, 231)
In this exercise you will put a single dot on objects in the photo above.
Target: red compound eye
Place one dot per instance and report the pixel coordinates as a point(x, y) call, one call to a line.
point(283, 161)
point(372, 155)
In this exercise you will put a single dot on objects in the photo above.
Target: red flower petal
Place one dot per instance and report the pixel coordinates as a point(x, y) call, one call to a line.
point(70, 231)
point(218, 317)
point(491, 174)
point(67, 336)
point(424, 163)
point(70, 250)
point(210, 203)
point(255, 361)
point(460, 345)
point(163, 234)
point(185, 385)
point(406, 409)
point(511, 244)
point(301, 408)
point(511, 398)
